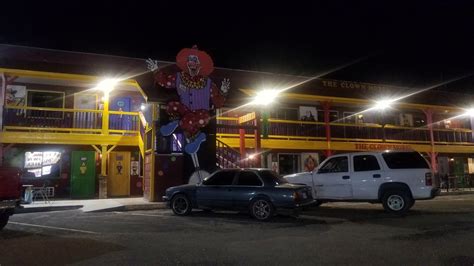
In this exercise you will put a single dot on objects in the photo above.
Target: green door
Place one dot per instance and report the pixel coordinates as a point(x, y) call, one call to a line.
point(83, 174)
point(459, 170)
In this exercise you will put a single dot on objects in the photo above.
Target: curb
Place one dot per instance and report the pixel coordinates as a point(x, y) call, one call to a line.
point(456, 193)
point(47, 209)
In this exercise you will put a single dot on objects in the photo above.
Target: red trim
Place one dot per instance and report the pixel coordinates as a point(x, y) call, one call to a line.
point(327, 126)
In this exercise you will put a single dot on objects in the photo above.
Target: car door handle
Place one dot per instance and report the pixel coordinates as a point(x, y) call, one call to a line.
point(377, 176)
point(346, 177)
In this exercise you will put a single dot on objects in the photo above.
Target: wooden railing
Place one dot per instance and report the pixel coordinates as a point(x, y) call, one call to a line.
point(23, 118)
point(292, 129)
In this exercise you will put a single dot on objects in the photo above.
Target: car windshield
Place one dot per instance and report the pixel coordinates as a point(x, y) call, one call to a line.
point(271, 175)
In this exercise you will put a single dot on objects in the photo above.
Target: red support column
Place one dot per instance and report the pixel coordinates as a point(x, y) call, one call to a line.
point(242, 142)
point(327, 126)
point(258, 141)
point(433, 154)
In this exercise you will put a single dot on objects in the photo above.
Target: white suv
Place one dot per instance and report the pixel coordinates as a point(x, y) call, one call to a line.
point(396, 179)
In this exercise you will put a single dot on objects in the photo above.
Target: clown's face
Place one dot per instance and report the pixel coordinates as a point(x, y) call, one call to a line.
point(193, 65)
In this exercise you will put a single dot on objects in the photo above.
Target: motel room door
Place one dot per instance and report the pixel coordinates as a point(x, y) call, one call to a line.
point(85, 101)
point(82, 174)
point(120, 122)
point(118, 180)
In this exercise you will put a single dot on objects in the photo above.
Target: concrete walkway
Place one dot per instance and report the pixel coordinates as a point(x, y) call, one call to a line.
point(92, 205)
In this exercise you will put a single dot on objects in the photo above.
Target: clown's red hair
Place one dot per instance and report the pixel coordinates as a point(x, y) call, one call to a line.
point(207, 65)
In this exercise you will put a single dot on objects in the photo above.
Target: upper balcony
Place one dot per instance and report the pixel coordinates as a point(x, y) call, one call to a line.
point(56, 108)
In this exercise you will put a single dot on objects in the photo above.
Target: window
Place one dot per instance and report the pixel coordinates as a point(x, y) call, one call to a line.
point(178, 141)
point(223, 178)
point(45, 99)
point(365, 163)
point(349, 117)
point(285, 113)
point(333, 115)
point(335, 165)
point(248, 178)
point(43, 164)
point(272, 175)
point(405, 160)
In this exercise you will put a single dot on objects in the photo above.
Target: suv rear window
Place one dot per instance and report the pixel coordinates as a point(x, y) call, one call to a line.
point(405, 160)
point(365, 163)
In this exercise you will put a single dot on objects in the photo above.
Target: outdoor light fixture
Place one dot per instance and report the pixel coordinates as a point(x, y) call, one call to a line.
point(469, 112)
point(265, 97)
point(142, 107)
point(107, 84)
point(251, 156)
point(383, 104)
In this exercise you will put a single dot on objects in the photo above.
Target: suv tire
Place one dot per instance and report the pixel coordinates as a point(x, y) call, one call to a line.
point(3, 220)
point(397, 201)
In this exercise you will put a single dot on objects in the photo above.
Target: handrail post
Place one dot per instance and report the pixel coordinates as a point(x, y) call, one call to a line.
point(105, 114)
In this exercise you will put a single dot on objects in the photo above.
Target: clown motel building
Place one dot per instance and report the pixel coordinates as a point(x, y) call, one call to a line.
point(82, 130)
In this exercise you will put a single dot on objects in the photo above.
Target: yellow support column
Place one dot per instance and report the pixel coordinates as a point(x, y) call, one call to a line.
point(105, 114)
point(103, 173)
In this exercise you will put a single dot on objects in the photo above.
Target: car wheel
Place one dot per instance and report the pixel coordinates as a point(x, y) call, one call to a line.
point(397, 201)
point(181, 205)
point(3, 220)
point(261, 209)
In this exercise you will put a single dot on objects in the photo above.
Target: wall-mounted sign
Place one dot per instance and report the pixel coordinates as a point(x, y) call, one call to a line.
point(15, 95)
point(246, 118)
point(33, 159)
point(37, 159)
point(308, 113)
point(309, 161)
point(134, 168)
point(382, 147)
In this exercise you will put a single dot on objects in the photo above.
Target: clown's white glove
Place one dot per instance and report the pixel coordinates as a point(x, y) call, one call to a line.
point(152, 65)
point(225, 86)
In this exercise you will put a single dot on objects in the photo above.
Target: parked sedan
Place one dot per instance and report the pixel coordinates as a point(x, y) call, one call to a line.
point(262, 192)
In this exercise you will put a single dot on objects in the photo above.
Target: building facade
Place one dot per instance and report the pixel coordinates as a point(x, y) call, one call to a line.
point(84, 138)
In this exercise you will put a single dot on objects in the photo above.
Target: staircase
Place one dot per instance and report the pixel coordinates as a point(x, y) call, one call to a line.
point(227, 157)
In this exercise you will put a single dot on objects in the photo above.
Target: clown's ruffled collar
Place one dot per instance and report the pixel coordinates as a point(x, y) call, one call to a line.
point(196, 82)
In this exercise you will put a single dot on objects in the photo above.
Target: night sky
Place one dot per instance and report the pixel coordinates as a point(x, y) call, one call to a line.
point(413, 44)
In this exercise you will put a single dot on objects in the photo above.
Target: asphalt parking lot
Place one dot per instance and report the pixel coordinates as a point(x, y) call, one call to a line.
point(437, 232)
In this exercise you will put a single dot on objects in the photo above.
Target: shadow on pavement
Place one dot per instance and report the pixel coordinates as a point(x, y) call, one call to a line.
point(369, 214)
point(30, 248)
point(245, 218)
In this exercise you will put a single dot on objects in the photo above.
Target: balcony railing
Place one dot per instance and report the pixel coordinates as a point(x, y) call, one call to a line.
point(292, 129)
point(23, 118)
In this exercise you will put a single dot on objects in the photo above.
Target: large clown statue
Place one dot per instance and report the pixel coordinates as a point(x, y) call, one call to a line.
point(198, 95)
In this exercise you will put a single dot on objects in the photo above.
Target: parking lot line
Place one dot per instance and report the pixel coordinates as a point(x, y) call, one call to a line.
point(55, 228)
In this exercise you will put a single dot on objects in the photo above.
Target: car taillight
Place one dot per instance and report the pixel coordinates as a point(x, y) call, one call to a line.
point(428, 179)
